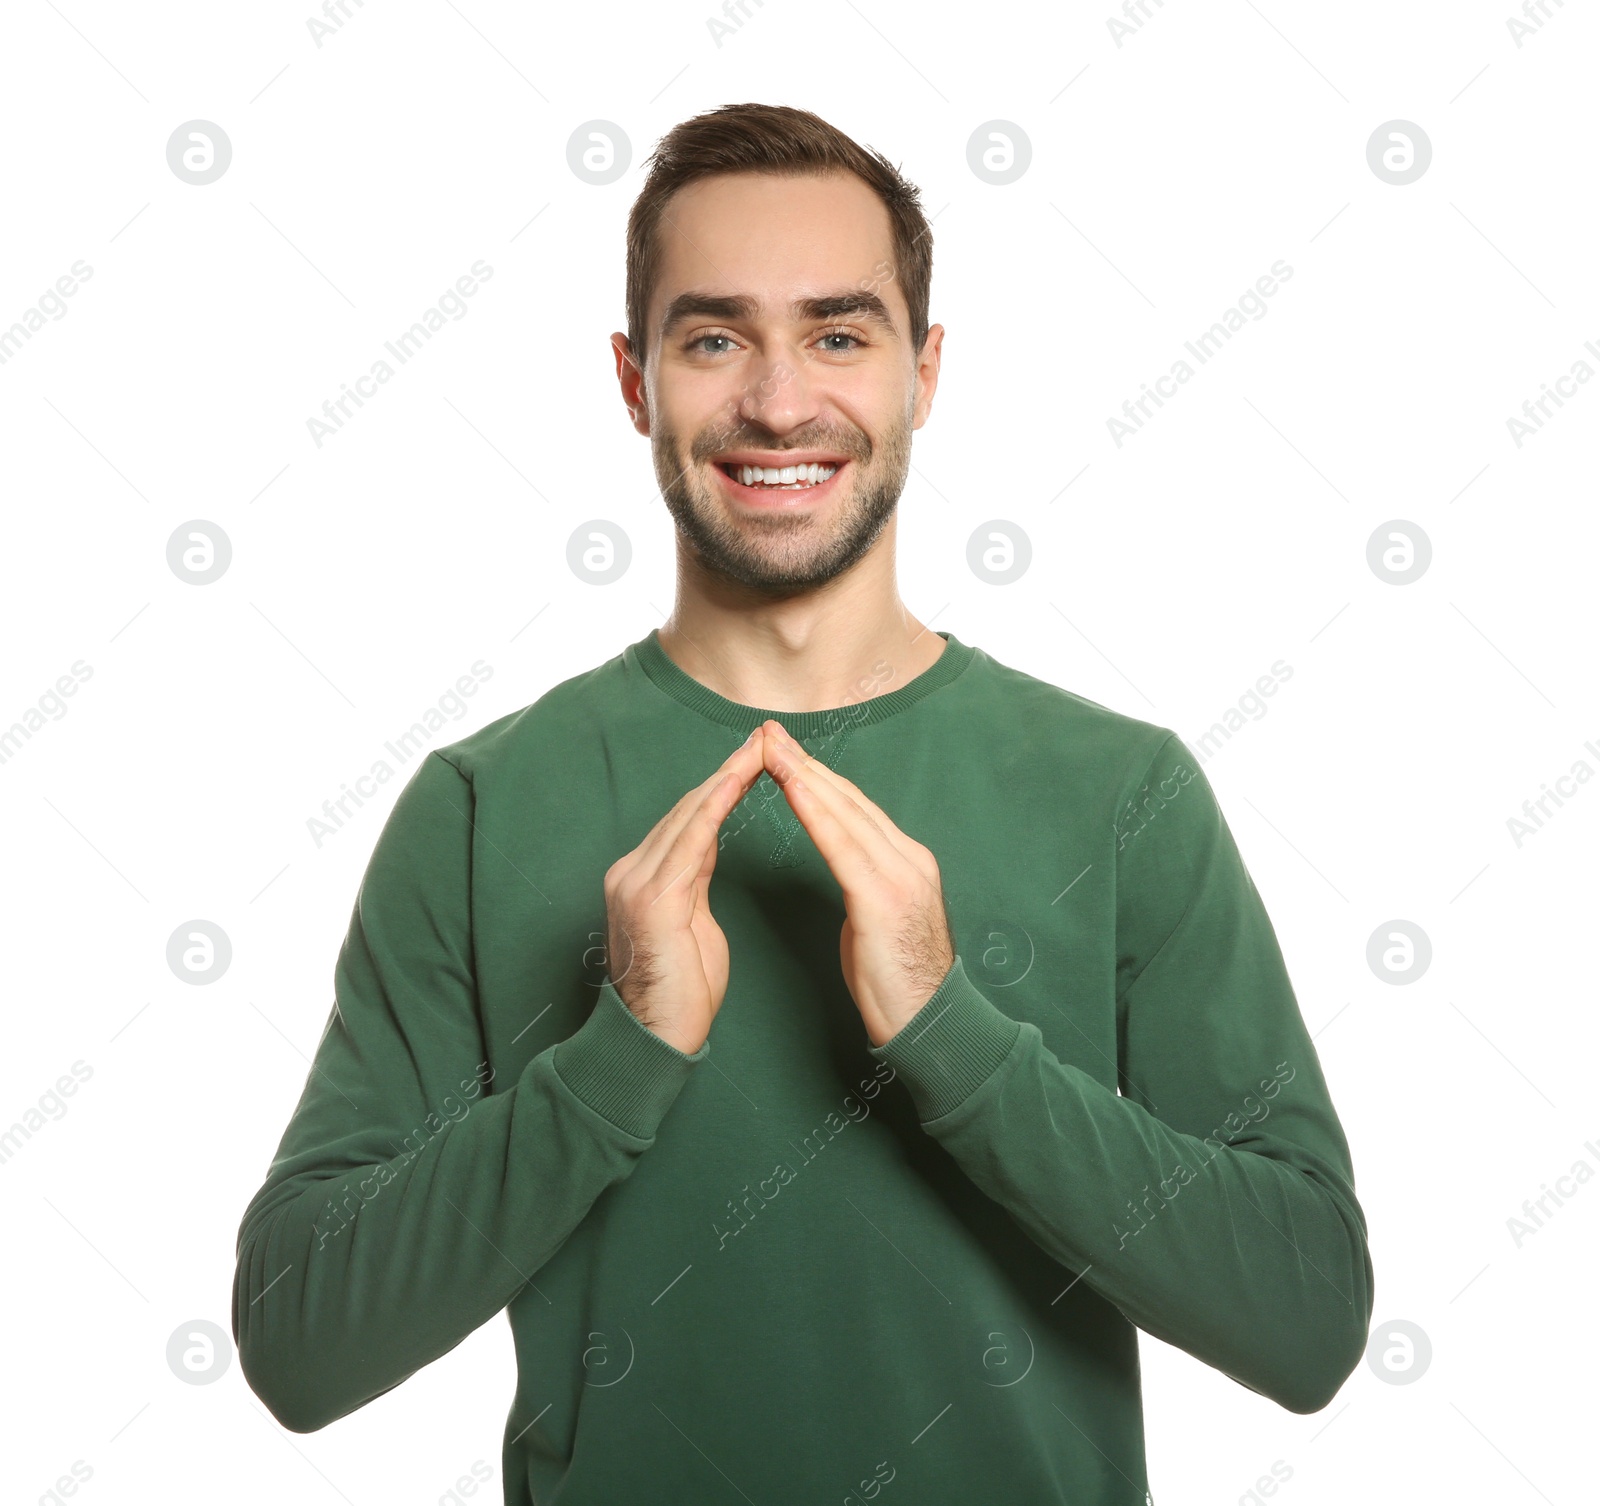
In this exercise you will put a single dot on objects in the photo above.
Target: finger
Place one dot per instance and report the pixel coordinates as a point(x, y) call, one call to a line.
point(843, 843)
point(858, 839)
point(779, 739)
point(745, 761)
point(696, 842)
point(783, 747)
point(908, 847)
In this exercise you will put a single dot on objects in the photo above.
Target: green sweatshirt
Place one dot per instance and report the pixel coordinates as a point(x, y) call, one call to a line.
point(793, 1267)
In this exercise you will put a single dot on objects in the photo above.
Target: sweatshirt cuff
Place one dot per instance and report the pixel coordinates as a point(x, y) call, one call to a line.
point(949, 1047)
point(621, 1068)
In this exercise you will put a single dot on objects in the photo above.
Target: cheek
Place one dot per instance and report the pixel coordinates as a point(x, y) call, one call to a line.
point(687, 404)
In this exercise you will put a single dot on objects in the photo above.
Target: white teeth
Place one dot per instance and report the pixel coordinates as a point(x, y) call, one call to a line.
point(788, 475)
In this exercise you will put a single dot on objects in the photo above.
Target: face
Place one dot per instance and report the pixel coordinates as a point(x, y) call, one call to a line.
point(779, 347)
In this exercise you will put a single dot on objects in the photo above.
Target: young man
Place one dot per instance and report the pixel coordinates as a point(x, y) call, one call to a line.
point(835, 1130)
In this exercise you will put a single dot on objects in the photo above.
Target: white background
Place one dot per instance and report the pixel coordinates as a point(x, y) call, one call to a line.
point(369, 573)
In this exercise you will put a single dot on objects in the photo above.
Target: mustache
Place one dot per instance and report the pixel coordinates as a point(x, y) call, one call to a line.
point(848, 442)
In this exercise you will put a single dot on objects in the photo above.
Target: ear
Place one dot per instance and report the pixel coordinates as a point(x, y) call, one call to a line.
point(927, 374)
point(631, 379)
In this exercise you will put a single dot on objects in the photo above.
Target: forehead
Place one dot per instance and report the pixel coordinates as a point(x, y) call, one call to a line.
point(774, 237)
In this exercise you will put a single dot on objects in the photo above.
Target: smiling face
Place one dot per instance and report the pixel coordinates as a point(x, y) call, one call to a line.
point(781, 388)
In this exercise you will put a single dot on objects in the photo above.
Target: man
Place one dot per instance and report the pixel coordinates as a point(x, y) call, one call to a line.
point(834, 1131)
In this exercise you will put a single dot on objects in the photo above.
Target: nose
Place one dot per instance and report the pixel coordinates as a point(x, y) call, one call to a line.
point(779, 393)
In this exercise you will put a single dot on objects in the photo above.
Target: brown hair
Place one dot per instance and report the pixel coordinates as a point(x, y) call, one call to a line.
point(784, 142)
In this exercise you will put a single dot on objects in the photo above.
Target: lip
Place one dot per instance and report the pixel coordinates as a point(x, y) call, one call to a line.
point(765, 498)
point(765, 458)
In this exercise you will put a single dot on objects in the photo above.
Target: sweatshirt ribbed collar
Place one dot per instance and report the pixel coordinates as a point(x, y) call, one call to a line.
point(803, 725)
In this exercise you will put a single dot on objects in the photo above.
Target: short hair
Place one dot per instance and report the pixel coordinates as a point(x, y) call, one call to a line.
point(783, 142)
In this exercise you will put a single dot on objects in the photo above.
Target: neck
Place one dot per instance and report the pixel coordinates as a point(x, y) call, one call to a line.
point(846, 641)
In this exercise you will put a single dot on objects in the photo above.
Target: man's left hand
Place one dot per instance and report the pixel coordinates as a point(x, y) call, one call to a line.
point(896, 948)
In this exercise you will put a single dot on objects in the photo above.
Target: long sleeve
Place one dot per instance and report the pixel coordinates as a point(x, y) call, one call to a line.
point(1212, 1199)
point(413, 1195)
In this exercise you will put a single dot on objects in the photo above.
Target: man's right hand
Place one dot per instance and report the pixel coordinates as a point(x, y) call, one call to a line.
point(668, 956)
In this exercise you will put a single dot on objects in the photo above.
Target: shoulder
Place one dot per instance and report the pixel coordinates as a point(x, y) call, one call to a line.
point(569, 712)
point(1101, 749)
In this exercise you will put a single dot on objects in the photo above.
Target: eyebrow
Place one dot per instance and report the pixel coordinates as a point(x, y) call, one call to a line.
point(734, 307)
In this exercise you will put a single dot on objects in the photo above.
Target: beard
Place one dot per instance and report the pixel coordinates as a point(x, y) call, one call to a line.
point(783, 553)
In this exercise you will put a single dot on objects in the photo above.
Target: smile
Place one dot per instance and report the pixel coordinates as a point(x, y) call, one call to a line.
point(792, 477)
point(758, 485)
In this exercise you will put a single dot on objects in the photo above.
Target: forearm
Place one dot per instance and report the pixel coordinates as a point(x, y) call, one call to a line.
point(352, 1277)
point(1254, 1263)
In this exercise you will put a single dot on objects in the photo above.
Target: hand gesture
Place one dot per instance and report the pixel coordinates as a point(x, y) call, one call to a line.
point(895, 948)
point(668, 956)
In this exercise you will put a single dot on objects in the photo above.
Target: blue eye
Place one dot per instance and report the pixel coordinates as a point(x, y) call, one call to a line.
point(699, 346)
